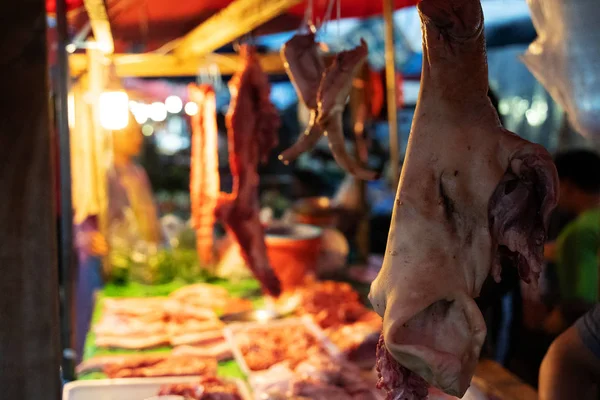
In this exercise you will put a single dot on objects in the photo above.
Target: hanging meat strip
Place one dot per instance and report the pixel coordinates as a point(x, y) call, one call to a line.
point(252, 127)
point(324, 91)
point(333, 93)
point(304, 66)
point(204, 179)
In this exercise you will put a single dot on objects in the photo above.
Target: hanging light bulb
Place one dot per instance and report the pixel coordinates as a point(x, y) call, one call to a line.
point(158, 111)
point(147, 130)
point(191, 108)
point(113, 109)
point(140, 112)
point(174, 104)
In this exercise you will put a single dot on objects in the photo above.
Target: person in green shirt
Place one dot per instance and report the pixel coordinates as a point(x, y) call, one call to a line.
point(575, 252)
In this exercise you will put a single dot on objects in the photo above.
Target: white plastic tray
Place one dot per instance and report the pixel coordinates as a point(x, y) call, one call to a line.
point(233, 329)
point(132, 388)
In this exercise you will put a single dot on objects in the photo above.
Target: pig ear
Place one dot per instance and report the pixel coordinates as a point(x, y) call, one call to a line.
point(519, 210)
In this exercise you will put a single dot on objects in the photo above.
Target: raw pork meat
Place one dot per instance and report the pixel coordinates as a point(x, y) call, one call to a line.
point(252, 123)
point(472, 196)
point(152, 366)
point(324, 91)
point(304, 65)
point(204, 175)
point(208, 388)
point(333, 93)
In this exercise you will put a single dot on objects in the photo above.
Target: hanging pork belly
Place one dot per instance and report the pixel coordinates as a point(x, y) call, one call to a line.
point(473, 197)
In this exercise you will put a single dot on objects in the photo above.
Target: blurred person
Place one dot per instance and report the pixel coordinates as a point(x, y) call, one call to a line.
point(575, 251)
point(571, 368)
point(132, 212)
point(549, 309)
point(132, 222)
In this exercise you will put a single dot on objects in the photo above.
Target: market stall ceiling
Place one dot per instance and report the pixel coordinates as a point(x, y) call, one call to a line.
point(152, 23)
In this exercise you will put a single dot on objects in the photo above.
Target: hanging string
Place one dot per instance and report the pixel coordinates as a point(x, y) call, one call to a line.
point(308, 21)
point(304, 22)
point(339, 13)
point(327, 16)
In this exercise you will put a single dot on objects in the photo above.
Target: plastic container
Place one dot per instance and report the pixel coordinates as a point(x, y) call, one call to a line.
point(293, 251)
point(132, 389)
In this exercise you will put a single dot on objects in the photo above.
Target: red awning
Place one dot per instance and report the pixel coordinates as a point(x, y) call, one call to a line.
point(71, 5)
point(350, 8)
point(154, 22)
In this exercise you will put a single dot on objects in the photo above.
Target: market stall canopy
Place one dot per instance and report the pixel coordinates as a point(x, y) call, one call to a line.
point(351, 8)
point(146, 25)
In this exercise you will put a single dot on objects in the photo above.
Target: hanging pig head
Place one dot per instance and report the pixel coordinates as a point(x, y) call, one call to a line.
point(472, 197)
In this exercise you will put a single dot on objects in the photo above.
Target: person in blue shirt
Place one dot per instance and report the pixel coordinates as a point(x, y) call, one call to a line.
point(571, 367)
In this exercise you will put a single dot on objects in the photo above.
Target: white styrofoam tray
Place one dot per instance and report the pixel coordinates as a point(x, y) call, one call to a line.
point(232, 330)
point(132, 388)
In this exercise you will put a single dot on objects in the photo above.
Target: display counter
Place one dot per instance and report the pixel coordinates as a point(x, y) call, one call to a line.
point(179, 330)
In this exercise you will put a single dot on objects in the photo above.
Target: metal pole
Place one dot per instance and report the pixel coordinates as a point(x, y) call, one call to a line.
point(390, 74)
point(66, 212)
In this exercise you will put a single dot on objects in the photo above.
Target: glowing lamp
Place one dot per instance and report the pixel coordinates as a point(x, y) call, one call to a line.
point(147, 130)
point(174, 104)
point(158, 112)
point(113, 109)
point(191, 108)
point(140, 112)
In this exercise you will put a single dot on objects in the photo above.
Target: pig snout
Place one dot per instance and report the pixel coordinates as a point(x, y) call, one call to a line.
point(441, 343)
point(424, 292)
point(438, 339)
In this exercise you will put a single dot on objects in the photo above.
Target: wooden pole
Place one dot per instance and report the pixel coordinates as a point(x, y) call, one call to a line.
point(161, 65)
point(100, 23)
point(390, 74)
point(29, 334)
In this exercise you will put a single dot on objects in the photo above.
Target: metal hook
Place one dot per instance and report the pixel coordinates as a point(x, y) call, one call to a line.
point(217, 79)
point(236, 45)
point(201, 78)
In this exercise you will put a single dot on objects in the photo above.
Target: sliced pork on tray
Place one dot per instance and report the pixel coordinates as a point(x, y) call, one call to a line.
point(207, 388)
point(472, 197)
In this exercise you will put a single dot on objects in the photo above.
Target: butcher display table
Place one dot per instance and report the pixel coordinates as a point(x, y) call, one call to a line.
point(247, 288)
point(498, 381)
point(490, 377)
